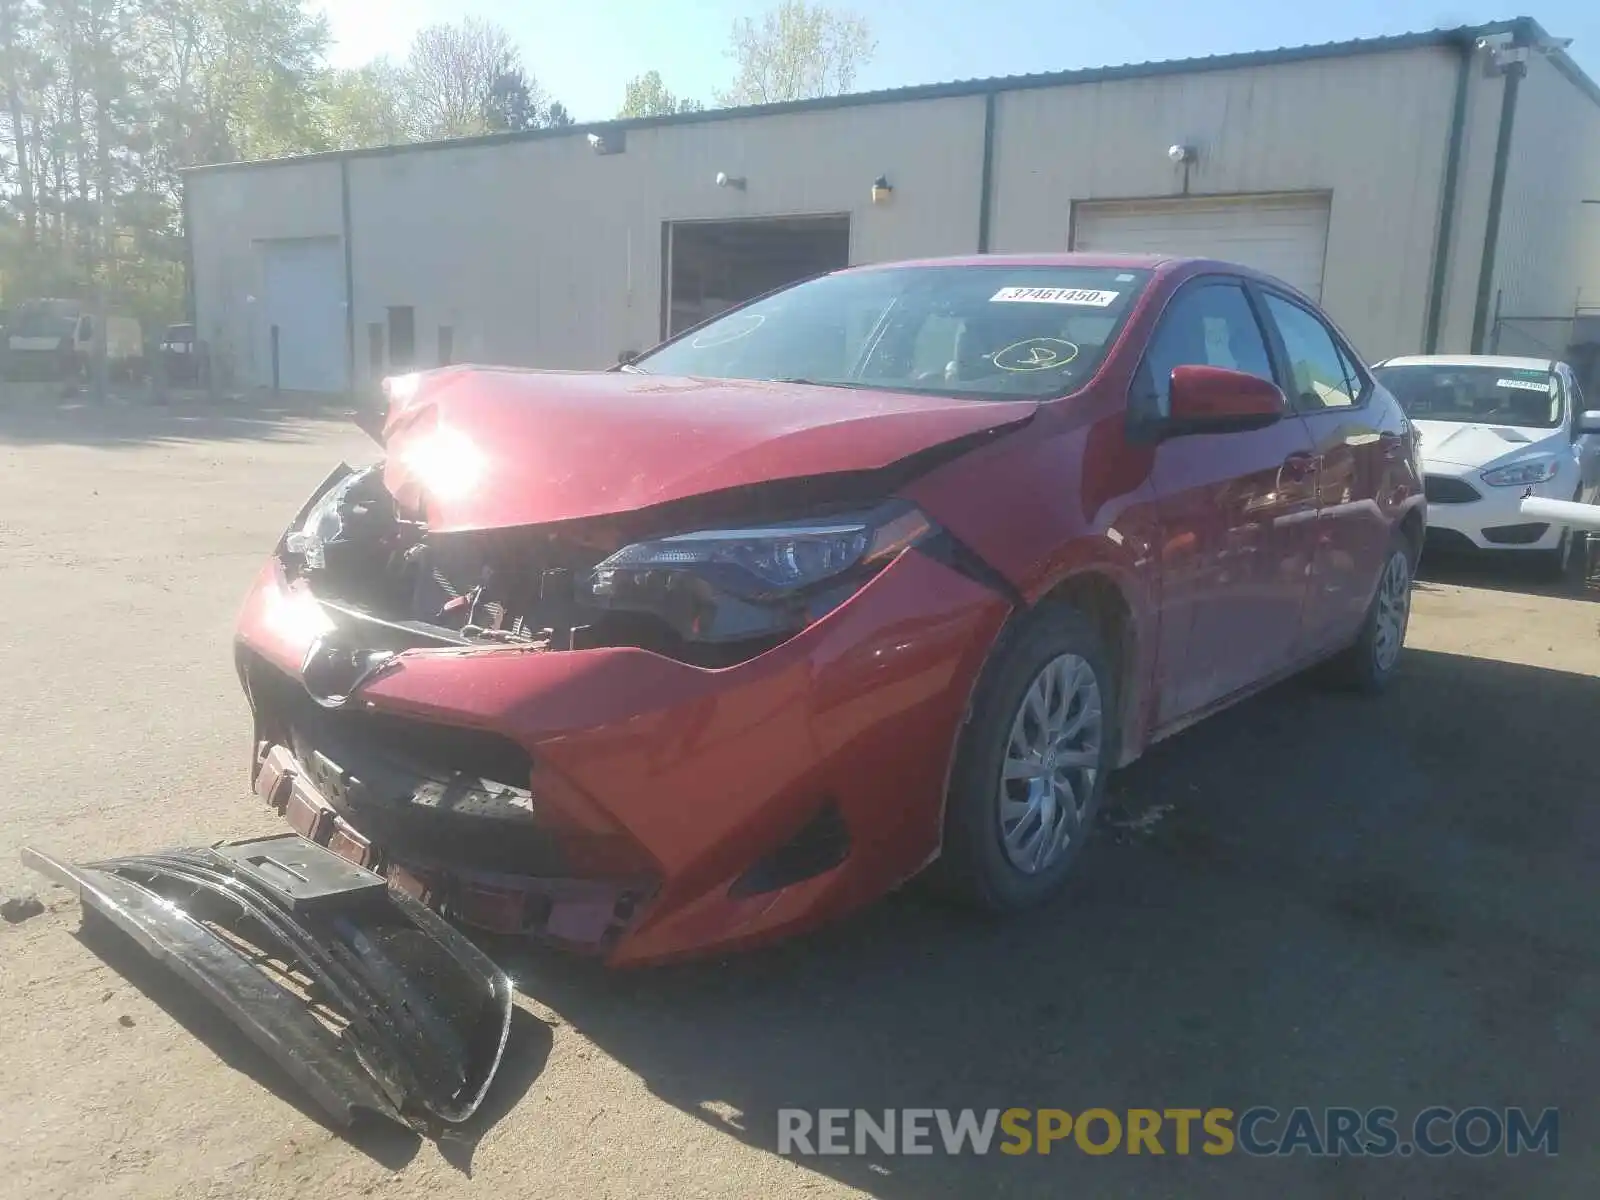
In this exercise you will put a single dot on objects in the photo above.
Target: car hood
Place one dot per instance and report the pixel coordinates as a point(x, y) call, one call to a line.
point(483, 448)
point(1464, 444)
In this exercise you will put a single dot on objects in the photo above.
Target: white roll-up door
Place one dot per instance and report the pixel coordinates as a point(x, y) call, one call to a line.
point(1285, 236)
point(303, 297)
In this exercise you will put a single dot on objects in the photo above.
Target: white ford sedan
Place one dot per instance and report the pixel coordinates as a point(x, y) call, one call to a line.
point(1494, 430)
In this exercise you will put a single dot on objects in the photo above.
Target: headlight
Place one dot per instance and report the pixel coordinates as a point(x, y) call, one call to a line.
point(729, 584)
point(322, 523)
point(1520, 474)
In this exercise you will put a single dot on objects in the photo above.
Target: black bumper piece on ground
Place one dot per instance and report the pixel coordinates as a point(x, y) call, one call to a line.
point(366, 998)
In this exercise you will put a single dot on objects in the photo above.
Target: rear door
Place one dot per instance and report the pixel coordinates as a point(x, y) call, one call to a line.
point(1331, 391)
point(1236, 511)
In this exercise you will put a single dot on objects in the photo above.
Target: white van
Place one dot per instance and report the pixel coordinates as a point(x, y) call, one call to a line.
point(53, 339)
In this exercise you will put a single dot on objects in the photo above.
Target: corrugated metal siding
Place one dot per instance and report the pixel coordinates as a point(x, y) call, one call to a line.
point(1474, 179)
point(1332, 125)
point(1548, 258)
point(229, 213)
point(545, 253)
point(1285, 236)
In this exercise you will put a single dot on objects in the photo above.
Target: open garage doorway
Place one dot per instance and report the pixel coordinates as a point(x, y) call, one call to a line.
point(713, 265)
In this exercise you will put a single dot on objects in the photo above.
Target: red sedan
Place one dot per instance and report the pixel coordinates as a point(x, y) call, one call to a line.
point(881, 573)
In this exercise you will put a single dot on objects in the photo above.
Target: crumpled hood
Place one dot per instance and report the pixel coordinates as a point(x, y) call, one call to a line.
point(1464, 444)
point(486, 448)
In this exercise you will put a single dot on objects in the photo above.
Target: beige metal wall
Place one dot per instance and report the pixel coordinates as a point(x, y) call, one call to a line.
point(1474, 181)
point(1548, 259)
point(1370, 129)
point(545, 253)
point(542, 252)
point(230, 212)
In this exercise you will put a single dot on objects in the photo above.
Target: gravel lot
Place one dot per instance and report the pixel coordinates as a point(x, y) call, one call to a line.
point(1313, 899)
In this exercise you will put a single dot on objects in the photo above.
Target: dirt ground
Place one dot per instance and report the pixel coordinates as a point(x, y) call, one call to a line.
point(1313, 899)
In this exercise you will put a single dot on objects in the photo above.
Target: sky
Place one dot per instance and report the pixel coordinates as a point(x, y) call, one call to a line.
point(582, 52)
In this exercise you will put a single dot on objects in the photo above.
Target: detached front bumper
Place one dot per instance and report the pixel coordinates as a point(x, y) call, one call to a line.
point(1464, 513)
point(622, 802)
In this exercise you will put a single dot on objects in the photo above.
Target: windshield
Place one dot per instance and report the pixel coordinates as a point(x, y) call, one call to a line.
point(43, 321)
point(1492, 395)
point(1001, 332)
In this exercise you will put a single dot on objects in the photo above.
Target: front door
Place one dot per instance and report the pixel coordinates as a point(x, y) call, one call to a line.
point(1236, 510)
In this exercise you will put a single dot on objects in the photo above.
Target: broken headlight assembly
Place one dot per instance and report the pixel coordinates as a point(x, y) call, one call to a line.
point(736, 584)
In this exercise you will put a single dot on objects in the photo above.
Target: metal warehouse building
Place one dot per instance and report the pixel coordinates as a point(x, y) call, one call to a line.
point(1436, 191)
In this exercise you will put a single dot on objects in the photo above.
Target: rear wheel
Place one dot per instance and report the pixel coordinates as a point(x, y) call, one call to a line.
point(1031, 765)
point(1371, 662)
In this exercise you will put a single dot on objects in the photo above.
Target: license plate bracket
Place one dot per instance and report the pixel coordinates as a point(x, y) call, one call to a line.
point(301, 874)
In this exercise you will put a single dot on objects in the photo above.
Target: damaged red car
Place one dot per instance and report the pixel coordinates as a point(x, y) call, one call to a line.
point(879, 574)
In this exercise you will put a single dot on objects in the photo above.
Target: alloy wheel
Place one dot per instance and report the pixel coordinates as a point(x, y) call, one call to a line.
point(1051, 762)
point(1394, 611)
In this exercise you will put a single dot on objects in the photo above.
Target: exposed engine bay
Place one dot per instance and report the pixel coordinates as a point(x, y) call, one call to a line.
point(709, 599)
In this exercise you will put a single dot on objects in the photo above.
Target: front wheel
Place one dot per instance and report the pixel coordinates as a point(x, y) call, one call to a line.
point(1558, 565)
point(1370, 663)
point(1031, 764)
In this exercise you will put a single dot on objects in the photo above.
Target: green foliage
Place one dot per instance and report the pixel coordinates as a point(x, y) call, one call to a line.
point(647, 96)
point(798, 51)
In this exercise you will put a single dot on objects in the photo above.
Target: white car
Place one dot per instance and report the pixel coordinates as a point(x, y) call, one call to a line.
point(1494, 430)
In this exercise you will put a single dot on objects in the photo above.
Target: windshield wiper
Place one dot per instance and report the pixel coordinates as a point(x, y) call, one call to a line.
point(833, 383)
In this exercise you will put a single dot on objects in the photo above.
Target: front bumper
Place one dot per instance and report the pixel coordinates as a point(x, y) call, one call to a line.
point(667, 810)
point(1464, 513)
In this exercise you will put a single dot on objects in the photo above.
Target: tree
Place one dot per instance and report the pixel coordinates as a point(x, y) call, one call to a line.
point(458, 74)
point(556, 116)
point(513, 103)
point(647, 96)
point(798, 51)
point(364, 107)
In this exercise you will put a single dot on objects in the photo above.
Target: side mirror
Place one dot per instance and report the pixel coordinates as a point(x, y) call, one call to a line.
point(1217, 400)
point(627, 357)
point(1589, 422)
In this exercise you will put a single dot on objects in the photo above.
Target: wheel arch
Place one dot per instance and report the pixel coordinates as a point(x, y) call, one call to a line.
point(1097, 594)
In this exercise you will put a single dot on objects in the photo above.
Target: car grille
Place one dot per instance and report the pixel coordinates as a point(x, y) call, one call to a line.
point(1446, 489)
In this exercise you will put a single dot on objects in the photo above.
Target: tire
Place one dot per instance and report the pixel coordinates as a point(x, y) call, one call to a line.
point(1053, 647)
point(1560, 565)
point(1369, 664)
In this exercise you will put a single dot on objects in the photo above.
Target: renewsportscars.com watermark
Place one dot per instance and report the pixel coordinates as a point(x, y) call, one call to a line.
point(1260, 1131)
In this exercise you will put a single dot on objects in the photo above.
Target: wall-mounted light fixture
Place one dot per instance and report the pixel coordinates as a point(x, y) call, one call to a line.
point(613, 141)
point(733, 181)
point(1180, 153)
point(882, 190)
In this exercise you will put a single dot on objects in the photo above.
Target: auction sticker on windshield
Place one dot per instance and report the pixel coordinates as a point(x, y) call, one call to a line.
point(1085, 297)
point(1524, 385)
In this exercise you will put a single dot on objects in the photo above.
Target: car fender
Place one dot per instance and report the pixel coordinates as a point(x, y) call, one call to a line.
point(1053, 506)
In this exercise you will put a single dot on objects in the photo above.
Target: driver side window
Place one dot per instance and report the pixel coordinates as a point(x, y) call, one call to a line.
point(1207, 325)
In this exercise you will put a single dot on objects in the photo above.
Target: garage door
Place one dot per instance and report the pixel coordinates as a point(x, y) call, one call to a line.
point(302, 286)
point(1285, 236)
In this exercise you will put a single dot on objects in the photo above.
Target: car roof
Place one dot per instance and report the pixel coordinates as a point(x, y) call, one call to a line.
point(1501, 361)
point(1160, 263)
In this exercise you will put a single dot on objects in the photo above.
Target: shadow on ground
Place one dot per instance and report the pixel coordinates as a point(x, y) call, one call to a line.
point(1508, 572)
point(390, 1145)
point(46, 417)
point(1314, 899)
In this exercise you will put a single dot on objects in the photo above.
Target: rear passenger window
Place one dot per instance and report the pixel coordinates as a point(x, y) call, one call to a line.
point(1206, 325)
point(1321, 374)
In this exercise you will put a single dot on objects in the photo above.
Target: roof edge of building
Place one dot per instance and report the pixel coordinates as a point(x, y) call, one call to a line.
point(1529, 28)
